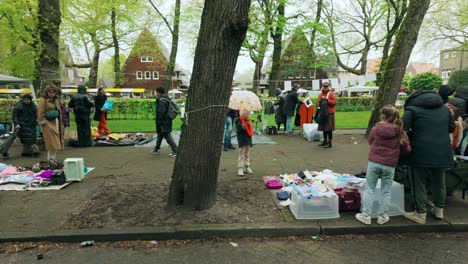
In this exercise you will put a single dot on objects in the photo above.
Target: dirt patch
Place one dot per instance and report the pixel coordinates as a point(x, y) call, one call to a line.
point(143, 205)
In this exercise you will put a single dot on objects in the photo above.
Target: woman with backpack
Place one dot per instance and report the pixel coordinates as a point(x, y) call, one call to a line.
point(326, 120)
point(386, 139)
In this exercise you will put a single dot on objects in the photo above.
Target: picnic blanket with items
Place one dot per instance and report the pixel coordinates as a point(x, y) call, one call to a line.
point(322, 195)
point(41, 176)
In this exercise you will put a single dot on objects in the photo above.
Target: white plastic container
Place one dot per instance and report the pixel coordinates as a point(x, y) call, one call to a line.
point(74, 169)
point(315, 208)
point(397, 200)
point(311, 132)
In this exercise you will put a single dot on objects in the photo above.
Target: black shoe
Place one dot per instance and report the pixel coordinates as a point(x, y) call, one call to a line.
point(231, 147)
point(324, 143)
point(225, 149)
point(329, 145)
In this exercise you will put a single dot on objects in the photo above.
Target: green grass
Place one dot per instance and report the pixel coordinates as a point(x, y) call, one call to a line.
point(342, 120)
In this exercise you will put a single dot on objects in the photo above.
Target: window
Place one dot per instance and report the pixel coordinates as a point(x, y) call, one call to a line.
point(155, 75)
point(443, 75)
point(454, 54)
point(448, 74)
point(147, 75)
point(446, 55)
point(146, 59)
point(139, 75)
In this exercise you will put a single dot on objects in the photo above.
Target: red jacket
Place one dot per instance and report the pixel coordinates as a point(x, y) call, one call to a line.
point(385, 144)
point(331, 101)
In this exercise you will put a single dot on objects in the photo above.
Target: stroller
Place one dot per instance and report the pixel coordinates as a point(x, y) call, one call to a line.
point(6, 144)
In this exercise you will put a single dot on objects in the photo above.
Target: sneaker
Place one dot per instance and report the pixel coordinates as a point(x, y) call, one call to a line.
point(240, 172)
point(382, 219)
point(225, 149)
point(364, 218)
point(419, 218)
point(155, 152)
point(172, 155)
point(231, 147)
point(248, 170)
point(438, 212)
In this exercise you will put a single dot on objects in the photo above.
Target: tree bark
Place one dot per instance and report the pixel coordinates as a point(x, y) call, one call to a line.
point(395, 66)
point(277, 36)
point(49, 25)
point(223, 28)
point(93, 72)
point(117, 71)
point(257, 75)
point(174, 47)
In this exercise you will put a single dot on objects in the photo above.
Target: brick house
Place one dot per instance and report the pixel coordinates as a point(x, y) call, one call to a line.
point(421, 67)
point(452, 60)
point(146, 65)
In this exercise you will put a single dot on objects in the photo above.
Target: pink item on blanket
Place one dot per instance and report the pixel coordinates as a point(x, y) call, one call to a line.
point(47, 174)
point(8, 171)
point(274, 184)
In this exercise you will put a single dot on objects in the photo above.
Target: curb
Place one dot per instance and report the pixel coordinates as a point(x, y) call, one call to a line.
point(222, 231)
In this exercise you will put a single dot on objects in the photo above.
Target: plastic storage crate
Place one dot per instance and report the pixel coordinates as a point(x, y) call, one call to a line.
point(74, 169)
point(314, 208)
point(397, 200)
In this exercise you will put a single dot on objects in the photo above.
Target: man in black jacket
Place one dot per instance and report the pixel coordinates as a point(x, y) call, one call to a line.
point(24, 117)
point(163, 122)
point(292, 99)
point(81, 105)
point(429, 124)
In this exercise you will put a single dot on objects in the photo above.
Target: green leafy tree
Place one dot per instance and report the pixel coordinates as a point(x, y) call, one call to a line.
point(458, 79)
point(426, 81)
point(406, 83)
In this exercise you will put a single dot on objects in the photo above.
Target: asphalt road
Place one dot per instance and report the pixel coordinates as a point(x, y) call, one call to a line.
point(410, 248)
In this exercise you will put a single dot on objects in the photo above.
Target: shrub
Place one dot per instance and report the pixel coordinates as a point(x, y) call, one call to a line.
point(426, 81)
point(458, 79)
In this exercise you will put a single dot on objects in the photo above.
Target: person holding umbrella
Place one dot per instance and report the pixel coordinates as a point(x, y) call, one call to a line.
point(244, 101)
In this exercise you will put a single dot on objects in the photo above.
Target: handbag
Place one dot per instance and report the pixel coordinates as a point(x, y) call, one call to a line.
point(349, 199)
point(51, 114)
point(321, 115)
point(108, 105)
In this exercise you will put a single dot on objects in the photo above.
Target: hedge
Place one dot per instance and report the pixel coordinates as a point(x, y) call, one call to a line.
point(144, 109)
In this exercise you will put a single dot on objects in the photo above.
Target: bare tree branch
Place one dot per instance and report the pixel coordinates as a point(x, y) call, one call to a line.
point(162, 16)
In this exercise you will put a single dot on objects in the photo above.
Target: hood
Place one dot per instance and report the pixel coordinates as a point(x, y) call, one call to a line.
point(81, 89)
point(424, 99)
point(462, 92)
point(386, 130)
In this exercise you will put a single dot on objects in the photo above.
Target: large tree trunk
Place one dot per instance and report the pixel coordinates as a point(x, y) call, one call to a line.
point(277, 48)
point(257, 76)
point(48, 27)
point(117, 72)
point(174, 47)
point(395, 66)
point(94, 67)
point(223, 28)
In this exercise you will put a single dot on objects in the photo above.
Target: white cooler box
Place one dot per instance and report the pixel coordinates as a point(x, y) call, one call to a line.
point(315, 208)
point(311, 132)
point(74, 169)
point(397, 200)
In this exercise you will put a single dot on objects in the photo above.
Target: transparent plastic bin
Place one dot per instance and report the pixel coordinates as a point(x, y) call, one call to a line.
point(397, 200)
point(74, 169)
point(315, 208)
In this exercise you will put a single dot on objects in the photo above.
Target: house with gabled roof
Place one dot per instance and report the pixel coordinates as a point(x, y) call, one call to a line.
point(146, 64)
point(421, 67)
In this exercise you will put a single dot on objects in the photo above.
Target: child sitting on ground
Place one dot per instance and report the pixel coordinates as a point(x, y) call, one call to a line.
point(386, 139)
point(244, 138)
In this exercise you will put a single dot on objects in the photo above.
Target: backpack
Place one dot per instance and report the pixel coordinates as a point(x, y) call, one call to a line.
point(349, 199)
point(172, 108)
point(321, 116)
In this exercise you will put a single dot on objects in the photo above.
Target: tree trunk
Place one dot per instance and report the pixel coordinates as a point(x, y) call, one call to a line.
point(396, 64)
point(48, 27)
point(223, 28)
point(277, 48)
point(117, 71)
point(174, 47)
point(257, 76)
point(93, 72)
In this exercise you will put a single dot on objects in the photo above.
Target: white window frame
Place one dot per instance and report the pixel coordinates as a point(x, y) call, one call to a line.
point(446, 55)
point(448, 74)
point(139, 75)
point(444, 75)
point(147, 75)
point(146, 59)
point(454, 54)
point(155, 75)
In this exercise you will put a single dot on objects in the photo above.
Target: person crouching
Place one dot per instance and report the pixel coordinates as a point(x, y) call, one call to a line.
point(244, 138)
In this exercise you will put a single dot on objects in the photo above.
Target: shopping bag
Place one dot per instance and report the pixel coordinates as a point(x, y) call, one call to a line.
point(108, 105)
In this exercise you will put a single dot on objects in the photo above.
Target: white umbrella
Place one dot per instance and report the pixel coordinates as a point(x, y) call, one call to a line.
point(175, 91)
point(244, 101)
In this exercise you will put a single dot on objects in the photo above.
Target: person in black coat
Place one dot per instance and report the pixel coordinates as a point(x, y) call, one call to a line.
point(429, 124)
point(101, 114)
point(292, 99)
point(81, 105)
point(163, 122)
point(25, 118)
point(280, 117)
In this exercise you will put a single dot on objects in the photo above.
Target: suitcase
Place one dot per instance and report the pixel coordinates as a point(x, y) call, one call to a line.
point(348, 199)
point(6, 144)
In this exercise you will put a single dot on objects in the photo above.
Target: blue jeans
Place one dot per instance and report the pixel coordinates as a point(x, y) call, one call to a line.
point(227, 132)
point(288, 124)
point(374, 172)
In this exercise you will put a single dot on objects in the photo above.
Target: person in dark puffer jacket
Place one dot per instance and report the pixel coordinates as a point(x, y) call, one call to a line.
point(429, 124)
point(386, 139)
